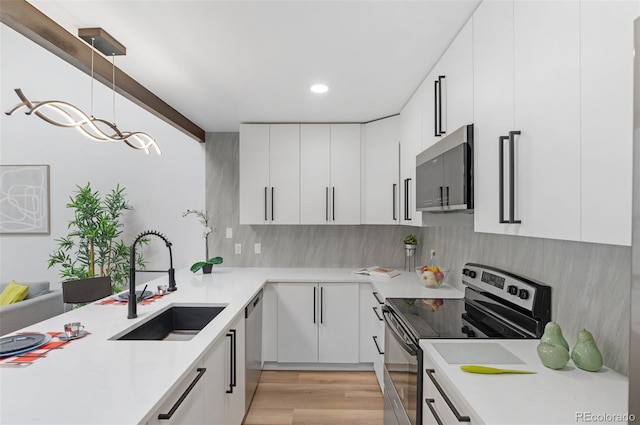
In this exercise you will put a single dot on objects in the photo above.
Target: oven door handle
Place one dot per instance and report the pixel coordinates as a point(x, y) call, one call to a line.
point(412, 350)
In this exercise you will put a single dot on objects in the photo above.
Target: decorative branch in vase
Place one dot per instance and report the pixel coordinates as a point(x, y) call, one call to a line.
point(208, 264)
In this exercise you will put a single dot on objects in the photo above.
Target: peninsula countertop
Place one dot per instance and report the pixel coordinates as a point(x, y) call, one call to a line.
point(97, 380)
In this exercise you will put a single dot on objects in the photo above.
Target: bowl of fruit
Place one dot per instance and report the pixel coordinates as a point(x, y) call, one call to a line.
point(431, 277)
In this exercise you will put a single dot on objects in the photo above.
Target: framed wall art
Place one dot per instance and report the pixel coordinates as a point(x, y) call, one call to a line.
point(24, 199)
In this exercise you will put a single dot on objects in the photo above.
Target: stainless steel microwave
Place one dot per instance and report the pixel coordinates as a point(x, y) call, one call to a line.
point(444, 174)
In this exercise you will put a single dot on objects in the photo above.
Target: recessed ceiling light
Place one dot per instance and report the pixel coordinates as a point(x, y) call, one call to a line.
point(319, 88)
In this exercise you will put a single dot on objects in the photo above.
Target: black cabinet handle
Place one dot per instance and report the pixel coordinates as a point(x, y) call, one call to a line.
point(333, 202)
point(273, 201)
point(326, 203)
point(235, 357)
point(321, 304)
point(375, 310)
point(430, 402)
point(406, 199)
point(436, 133)
point(430, 374)
point(265, 204)
point(375, 295)
point(441, 196)
point(168, 415)
point(501, 179)
point(394, 201)
point(440, 130)
point(375, 341)
point(512, 201)
point(512, 190)
point(447, 195)
point(314, 304)
point(232, 361)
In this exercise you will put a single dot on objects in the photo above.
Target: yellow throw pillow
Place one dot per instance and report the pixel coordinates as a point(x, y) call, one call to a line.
point(13, 293)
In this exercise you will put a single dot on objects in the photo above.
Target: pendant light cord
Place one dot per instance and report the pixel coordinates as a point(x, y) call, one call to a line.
point(92, 50)
point(113, 85)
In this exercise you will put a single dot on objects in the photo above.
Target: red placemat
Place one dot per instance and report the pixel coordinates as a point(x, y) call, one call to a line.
point(26, 359)
point(115, 301)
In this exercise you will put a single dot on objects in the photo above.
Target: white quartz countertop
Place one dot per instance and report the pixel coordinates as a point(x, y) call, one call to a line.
point(96, 380)
point(562, 397)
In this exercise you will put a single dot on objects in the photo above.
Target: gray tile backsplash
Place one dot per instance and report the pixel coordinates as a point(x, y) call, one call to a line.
point(591, 282)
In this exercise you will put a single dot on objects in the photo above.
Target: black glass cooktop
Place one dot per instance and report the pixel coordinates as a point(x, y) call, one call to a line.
point(430, 318)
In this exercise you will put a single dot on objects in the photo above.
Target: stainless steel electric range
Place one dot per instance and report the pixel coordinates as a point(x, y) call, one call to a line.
point(496, 304)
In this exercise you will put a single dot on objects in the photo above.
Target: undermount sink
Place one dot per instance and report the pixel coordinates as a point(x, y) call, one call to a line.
point(176, 323)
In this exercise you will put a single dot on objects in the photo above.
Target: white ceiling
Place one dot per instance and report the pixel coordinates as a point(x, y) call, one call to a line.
point(220, 63)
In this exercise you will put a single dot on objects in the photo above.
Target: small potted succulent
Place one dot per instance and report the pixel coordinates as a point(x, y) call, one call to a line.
point(208, 264)
point(410, 242)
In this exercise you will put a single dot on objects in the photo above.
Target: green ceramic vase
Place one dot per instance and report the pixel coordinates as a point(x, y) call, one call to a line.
point(553, 356)
point(585, 353)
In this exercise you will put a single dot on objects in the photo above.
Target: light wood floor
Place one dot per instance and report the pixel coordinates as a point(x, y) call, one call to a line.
point(316, 398)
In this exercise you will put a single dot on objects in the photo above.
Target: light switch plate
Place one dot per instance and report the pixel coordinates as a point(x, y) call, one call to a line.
point(238, 248)
point(257, 248)
point(229, 234)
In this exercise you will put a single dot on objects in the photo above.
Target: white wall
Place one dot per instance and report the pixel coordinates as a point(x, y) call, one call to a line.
point(160, 188)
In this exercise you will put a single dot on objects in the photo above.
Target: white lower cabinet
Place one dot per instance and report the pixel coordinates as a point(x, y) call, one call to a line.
point(442, 403)
point(318, 323)
point(186, 404)
point(270, 323)
point(224, 390)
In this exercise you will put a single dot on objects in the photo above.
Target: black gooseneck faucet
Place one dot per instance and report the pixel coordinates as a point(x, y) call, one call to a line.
point(133, 300)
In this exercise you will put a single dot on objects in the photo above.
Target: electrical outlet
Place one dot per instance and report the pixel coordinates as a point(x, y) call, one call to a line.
point(257, 248)
point(238, 248)
point(229, 234)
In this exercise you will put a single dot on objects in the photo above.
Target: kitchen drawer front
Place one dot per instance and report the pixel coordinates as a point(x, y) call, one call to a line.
point(436, 404)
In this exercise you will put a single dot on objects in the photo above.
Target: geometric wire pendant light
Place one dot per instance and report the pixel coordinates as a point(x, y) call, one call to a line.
point(64, 114)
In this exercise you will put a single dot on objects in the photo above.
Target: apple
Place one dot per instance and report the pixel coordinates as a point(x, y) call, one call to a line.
point(439, 276)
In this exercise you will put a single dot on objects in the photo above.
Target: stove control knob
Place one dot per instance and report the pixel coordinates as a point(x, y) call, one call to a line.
point(524, 294)
point(472, 274)
point(465, 272)
point(512, 289)
point(465, 329)
point(471, 333)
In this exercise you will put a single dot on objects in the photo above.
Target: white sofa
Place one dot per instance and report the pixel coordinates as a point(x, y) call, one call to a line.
point(40, 304)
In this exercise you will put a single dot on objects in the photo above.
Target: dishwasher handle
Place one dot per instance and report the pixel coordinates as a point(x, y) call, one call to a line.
point(253, 304)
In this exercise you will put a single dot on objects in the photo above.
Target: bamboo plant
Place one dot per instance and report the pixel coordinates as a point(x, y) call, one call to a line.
point(93, 248)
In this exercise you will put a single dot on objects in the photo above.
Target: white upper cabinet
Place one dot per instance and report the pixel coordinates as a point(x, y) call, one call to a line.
point(269, 174)
point(410, 146)
point(547, 113)
point(560, 73)
point(526, 79)
point(606, 34)
point(345, 174)
point(493, 105)
point(382, 171)
point(456, 66)
point(447, 92)
point(284, 173)
point(254, 173)
point(315, 173)
point(330, 173)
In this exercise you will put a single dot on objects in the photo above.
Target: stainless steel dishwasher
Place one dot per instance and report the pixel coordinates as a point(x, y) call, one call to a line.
point(253, 347)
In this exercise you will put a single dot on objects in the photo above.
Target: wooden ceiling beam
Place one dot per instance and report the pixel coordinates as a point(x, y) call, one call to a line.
point(39, 28)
